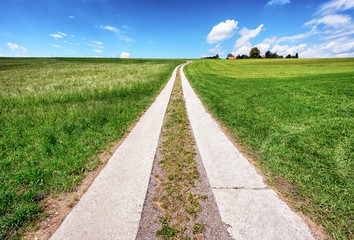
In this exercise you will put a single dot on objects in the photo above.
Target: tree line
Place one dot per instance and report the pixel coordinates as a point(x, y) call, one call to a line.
point(254, 53)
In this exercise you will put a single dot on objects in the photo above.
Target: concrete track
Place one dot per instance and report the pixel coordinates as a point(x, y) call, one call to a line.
point(112, 206)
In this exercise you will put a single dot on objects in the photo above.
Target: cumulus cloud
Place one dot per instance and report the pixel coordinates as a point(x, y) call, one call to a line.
point(244, 50)
point(332, 30)
point(222, 31)
point(14, 46)
point(285, 49)
point(265, 44)
point(277, 2)
point(247, 34)
point(124, 55)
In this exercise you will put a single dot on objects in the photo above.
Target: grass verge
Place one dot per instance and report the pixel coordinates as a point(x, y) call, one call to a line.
point(294, 117)
point(56, 116)
point(176, 197)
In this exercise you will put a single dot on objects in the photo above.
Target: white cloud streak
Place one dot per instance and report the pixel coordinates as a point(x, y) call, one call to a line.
point(333, 20)
point(124, 55)
point(222, 31)
point(277, 2)
point(120, 33)
point(109, 28)
point(217, 50)
point(336, 6)
point(58, 35)
point(14, 46)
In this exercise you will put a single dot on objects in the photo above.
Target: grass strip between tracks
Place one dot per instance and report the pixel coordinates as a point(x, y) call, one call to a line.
point(175, 196)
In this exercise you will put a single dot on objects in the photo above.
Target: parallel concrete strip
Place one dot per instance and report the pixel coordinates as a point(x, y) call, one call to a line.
point(112, 206)
point(246, 204)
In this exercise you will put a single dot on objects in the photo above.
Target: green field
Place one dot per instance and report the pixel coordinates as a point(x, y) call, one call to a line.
point(294, 117)
point(56, 115)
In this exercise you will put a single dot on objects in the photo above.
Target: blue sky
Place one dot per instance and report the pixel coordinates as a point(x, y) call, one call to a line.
point(175, 29)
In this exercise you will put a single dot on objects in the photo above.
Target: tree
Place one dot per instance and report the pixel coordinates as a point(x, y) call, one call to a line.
point(230, 55)
point(288, 56)
point(255, 53)
point(296, 55)
point(268, 54)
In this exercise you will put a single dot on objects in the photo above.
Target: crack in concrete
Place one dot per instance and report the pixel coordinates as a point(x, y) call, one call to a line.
point(241, 188)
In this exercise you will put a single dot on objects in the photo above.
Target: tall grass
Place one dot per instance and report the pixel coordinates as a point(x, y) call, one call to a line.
point(56, 115)
point(295, 118)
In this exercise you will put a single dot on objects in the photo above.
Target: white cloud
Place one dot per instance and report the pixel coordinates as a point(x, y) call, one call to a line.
point(265, 44)
point(23, 49)
point(109, 28)
point(277, 2)
point(331, 32)
point(222, 31)
point(217, 50)
point(294, 37)
point(14, 46)
point(338, 48)
point(124, 55)
point(58, 35)
point(334, 20)
point(244, 49)
point(120, 33)
point(71, 17)
point(285, 49)
point(97, 42)
point(336, 6)
point(346, 48)
point(94, 45)
point(247, 34)
point(97, 50)
point(125, 38)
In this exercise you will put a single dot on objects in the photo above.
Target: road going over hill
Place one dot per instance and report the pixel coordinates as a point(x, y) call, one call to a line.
point(112, 206)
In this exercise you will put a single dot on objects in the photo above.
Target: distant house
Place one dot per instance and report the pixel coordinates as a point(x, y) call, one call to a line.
point(232, 58)
point(263, 56)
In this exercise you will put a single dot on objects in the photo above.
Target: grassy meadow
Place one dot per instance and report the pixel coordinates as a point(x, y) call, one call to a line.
point(56, 115)
point(294, 117)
